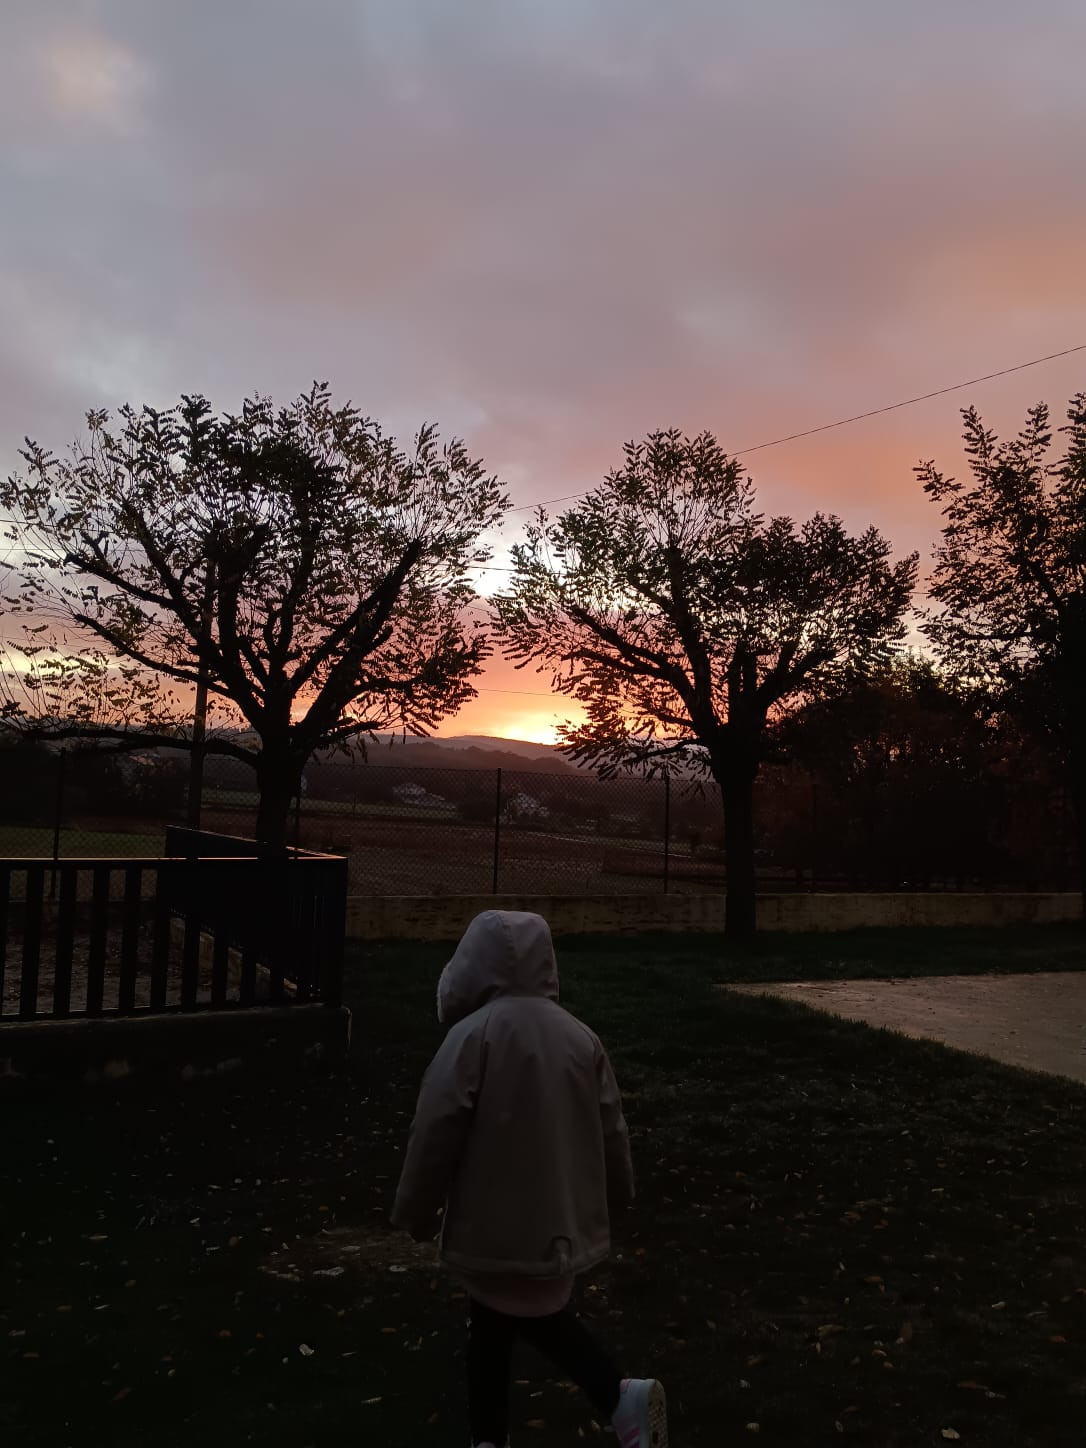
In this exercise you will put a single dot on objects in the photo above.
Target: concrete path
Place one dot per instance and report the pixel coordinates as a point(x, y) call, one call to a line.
point(1038, 1021)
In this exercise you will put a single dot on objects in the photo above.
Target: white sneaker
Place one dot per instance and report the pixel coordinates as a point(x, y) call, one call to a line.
point(640, 1420)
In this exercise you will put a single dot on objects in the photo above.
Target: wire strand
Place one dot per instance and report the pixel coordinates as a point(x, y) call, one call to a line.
point(857, 417)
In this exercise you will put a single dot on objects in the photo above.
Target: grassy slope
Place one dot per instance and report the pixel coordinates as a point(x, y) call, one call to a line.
point(817, 1199)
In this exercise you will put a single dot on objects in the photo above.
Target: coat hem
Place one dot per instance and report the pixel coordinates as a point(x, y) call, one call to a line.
point(461, 1262)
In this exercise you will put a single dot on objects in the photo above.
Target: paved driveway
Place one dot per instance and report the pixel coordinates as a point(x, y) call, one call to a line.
point(1037, 1021)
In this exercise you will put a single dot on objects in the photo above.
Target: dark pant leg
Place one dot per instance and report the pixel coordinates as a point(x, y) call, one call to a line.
point(570, 1346)
point(490, 1350)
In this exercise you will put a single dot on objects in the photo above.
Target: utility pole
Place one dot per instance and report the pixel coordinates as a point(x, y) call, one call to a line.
point(199, 718)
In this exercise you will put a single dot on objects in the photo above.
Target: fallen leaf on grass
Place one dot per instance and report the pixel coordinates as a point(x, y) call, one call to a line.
point(305, 1349)
point(369, 1402)
point(950, 1433)
point(975, 1387)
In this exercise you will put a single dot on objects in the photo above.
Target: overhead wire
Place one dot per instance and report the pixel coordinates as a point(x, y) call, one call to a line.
point(844, 421)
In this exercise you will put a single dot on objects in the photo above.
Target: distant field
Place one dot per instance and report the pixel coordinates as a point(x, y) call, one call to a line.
point(244, 799)
point(32, 842)
point(402, 850)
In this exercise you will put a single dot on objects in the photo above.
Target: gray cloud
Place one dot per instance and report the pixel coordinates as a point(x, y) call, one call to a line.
point(549, 227)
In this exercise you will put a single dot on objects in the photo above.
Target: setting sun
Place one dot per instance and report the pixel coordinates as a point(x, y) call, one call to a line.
point(532, 728)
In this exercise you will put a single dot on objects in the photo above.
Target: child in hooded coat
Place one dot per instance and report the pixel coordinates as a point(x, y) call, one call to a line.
point(519, 1134)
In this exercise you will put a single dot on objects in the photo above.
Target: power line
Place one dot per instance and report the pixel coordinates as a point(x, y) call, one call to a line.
point(777, 441)
point(924, 397)
point(857, 417)
point(525, 693)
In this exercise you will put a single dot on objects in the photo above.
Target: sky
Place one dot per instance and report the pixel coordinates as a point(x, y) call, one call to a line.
point(551, 228)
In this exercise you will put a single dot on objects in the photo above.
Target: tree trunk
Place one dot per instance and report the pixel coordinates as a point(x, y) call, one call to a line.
point(736, 780)
point(278, 776)
point(1077, 792)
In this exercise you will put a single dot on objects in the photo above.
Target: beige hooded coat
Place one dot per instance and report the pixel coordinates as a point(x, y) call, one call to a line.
point(519, 1130)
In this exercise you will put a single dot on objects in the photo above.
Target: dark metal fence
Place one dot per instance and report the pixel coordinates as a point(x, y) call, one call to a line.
point(129, 936)
point(413, 830)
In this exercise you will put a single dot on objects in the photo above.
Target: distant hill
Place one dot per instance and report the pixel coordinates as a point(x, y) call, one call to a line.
point(468, 751)
point(495, 741)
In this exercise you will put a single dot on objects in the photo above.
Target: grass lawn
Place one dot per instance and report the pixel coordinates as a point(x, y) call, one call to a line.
point(899, 953)
point(841, 1235)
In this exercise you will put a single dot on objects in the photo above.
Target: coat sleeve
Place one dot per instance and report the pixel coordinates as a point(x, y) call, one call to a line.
point(616, 1138)
point(439, 1132)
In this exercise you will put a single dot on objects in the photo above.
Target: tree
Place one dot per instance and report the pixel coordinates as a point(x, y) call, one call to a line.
point(902, 765)
point(297, 563)
point(1010, 577)
point(686, 624)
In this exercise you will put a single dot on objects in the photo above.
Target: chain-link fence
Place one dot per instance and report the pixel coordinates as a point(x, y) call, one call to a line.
point(413, 830)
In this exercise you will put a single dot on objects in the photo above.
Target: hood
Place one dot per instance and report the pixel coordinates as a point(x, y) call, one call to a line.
point(502, 952)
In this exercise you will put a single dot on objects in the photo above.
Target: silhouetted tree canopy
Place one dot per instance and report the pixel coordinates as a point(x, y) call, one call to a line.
point(316, 569)
point(1010, 578)
point(684, 622)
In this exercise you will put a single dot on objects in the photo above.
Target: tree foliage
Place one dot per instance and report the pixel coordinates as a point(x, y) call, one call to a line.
point(681, 619)
point(1010, 579)
point(316, 569)
point(1011, 569)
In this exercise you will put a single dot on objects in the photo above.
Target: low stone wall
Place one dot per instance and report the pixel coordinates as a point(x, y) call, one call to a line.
point(444, 917)
point(170, 1048)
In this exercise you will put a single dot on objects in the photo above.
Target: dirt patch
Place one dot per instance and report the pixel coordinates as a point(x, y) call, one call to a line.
point(1037, 1021)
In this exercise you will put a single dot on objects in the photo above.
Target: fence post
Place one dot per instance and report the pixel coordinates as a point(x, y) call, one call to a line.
point(814, 832)
point(58, 815)
point(667, 828)
point(497, 830)
point(298, 818)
